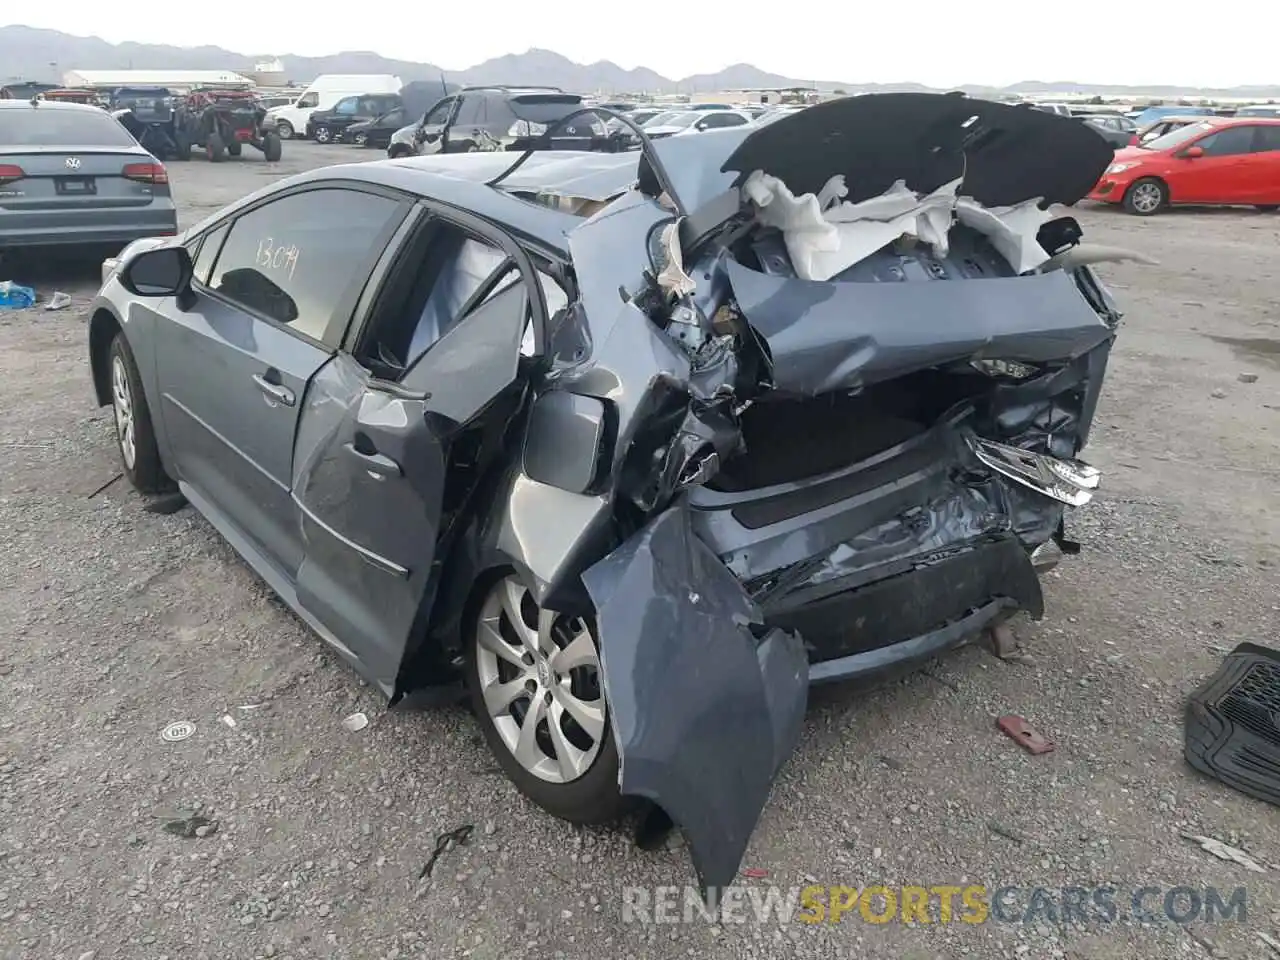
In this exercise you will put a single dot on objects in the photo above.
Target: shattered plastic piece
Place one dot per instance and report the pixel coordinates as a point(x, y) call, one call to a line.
point(15, 297)
point(1224, 851)
point(445, 842)
point(58, 301)
point(1271, 942)
point(229, 720)
point(177, 731)
point(755, 873)
point(1018, 729)
point(355, 723)
point(676, 628)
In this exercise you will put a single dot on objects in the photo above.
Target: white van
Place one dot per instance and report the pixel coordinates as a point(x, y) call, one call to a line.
point(327, 89)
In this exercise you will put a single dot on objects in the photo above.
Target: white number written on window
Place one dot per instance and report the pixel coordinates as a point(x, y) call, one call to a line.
point(279, 257)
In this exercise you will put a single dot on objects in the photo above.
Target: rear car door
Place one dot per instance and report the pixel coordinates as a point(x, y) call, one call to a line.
point(1220, 175)
point(273, 291)
point(75, 174)
point(431, 132)
point(395, 432)
point(1264, 165)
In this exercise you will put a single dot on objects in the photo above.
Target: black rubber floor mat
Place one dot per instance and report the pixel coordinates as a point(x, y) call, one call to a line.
point(1233, 723)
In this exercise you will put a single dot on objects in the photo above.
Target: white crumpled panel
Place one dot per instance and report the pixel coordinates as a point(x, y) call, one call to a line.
point(825, 235)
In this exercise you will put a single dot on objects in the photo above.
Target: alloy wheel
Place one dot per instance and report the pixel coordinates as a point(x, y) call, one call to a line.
point(322, 135)
point(539, 674)
point(1147, 197)
point(122, 405)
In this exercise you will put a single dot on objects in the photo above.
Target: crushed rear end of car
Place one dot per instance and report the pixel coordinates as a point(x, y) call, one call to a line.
point(816, 410)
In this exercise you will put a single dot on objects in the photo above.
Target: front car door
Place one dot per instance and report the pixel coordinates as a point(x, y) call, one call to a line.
point(395, 430)
point(466, 132)
point(1220, 175)
point(274, 287)
point(435, 122)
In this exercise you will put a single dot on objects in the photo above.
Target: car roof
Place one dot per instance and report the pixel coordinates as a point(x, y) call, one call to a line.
point(460, 180)
point(48, 105)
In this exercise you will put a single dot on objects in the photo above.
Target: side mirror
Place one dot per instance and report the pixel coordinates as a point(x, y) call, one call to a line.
point(158, 273)
point(1192, 152)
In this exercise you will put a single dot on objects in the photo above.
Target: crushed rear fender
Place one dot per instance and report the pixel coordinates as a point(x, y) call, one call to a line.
point(704, 711)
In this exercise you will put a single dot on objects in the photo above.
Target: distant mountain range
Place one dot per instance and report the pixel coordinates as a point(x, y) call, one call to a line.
point(36, 54)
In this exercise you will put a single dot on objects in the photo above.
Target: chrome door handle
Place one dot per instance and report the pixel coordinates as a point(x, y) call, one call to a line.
point(274, 391)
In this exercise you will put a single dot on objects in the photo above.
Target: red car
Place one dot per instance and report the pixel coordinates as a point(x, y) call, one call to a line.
point(1217, 160)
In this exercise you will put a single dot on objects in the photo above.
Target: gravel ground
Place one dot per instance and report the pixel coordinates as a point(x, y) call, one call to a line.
point(114, 622)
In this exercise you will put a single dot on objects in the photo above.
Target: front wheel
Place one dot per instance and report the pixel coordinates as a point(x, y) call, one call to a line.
point(271, 149)
point(398, 150)
point(234, 148)
point(537, 691)
point(135, 436)
point(285, 129)
point(361, 139)
point(1146, 197)
point(323, 135)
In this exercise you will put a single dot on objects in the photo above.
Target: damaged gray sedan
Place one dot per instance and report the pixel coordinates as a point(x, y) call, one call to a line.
point(637, 446)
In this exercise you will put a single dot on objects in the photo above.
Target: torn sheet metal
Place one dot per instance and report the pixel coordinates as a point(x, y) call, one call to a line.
point(831, 336)
point(704, 713)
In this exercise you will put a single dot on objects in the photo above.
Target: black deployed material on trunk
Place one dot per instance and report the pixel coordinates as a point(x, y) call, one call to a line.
point(912, 604)
point(1232, 730)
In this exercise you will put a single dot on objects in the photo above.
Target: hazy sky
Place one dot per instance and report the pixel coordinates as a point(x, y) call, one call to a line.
point(938, 42)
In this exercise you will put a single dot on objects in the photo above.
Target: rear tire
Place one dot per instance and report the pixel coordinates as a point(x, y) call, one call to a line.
point(271, 148)
point(181, 147)
point(234, 149)
point(285, 129)
point(214, 148)
point(1146, 197)
point(572, 774)
point(135, 436)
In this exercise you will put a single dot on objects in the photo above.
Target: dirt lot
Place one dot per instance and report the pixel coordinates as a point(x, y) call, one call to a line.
point(114, 622)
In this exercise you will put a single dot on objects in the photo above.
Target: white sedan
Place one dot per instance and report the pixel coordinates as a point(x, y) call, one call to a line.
point(694, 121)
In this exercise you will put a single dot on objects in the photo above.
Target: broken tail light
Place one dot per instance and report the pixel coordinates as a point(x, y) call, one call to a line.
point(145, 172)
point(10, 172)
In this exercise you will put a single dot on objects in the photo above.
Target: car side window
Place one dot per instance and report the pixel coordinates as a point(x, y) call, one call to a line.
point(443, 276)
point(439, 114)
point(209, 249)
point(1228, 142)
point(347, 105)
point(394, 118)
point(459, 266)
point(1267, 139)
point(309, 100)
point(292, 259)
point(471, 110)
point(724, 120)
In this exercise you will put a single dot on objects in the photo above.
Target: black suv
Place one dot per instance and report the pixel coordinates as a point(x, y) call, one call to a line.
point(325, 126)
point(503, 118)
